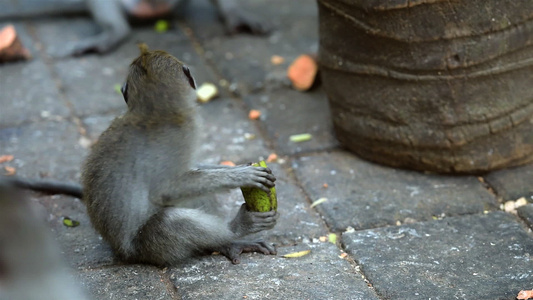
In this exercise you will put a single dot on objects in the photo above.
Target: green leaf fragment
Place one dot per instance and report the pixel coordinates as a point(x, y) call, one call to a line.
point(161, 26)
point(69, 222)
point(332, 238)
point(298, 138)
point(118, 88)
point(297, 254)
point(319, 201)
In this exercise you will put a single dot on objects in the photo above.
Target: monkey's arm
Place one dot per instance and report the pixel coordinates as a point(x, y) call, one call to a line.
point(209, 166)
point(175, 234)
point(110, 16)
point(46, 186)
point(198, 182)
point(236, 19)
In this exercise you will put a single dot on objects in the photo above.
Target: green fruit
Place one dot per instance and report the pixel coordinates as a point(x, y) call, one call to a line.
point(259, 200)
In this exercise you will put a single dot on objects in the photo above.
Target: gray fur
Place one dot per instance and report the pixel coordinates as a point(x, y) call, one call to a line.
point(140, 171)
point(31, 266)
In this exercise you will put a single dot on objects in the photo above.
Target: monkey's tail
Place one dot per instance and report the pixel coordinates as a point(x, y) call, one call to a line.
point(48, 186)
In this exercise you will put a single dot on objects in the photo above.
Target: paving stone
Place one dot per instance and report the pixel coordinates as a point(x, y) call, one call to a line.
point(125, 282)
point(512, 183)
point(471, 257)
point(365, 195)
point(29, 94)
point(245, 59)
point(319, 275)
point(286, 112)
point(98, 95)
point(223, 134)
point(297, 222)
point(44, 149)
point(526, 213)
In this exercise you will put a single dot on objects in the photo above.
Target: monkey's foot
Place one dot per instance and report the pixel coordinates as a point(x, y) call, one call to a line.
point(233, 250)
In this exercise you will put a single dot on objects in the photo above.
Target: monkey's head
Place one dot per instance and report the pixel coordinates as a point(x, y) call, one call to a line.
point(158, 82)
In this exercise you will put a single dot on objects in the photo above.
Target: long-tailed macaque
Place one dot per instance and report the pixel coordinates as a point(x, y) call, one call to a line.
point(140, 173)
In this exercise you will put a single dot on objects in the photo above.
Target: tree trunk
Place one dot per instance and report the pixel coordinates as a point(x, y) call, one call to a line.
point(433, 85)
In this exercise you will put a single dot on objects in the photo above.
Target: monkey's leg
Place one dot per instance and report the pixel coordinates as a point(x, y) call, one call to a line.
point(110, 16)
point(175, 234)
point(237, 20)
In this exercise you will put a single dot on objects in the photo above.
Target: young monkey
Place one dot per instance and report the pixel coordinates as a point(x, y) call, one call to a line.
point(140, 171)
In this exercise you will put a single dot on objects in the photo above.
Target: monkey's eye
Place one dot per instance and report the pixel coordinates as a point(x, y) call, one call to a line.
point(124, 91)
point(187, 73)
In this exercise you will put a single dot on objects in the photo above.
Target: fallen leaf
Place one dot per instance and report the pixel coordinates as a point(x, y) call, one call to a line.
point(298, 138)
point(70, 223)
point(6, 158)
point(206, 92)
point(84, 142)
point(161, 26)
point(254, 114)
point(249, 136)
point(319, 201)
point(277, 60)
point(520, 202)
point(10, 171)
point(525, 294)
point(11, 48)
point(272, 157)
point(332, 238)
point(227, 163)
point(302, 72)
point(297, 254)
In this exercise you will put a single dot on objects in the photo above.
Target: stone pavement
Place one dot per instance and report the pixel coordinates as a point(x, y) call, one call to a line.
point(401, 234)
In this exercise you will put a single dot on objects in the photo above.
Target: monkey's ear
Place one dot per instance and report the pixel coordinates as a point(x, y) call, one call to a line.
point(124, 91)
point(187, 73)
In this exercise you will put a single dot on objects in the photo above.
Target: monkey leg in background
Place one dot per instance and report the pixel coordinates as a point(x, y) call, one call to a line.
point(112, 18)
point(140, 174)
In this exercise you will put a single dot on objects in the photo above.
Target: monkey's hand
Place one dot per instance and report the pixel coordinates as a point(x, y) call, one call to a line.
point(234, 249)
point(247, 222)
point(253, 177)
